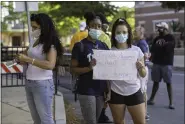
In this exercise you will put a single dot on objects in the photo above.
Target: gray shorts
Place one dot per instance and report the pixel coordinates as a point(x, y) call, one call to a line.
point(160, 72)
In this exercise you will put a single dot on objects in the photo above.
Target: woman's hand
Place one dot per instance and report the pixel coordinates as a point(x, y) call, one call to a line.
point(22, 58)
point(92, 62)
point(139, 65)
point(141, 68)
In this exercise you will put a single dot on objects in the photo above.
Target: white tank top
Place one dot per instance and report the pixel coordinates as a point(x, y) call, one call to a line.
point(34, 72)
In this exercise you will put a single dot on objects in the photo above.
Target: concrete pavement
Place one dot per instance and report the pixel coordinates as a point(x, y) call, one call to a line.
point(160, 114)
point(15, 109)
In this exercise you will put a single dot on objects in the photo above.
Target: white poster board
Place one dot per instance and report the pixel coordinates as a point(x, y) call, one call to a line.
point(115, 65)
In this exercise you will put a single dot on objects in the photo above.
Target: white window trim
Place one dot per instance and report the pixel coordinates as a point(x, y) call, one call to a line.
point(164, 20)
point(158, 13)
point(148, 4)
point(141, 22)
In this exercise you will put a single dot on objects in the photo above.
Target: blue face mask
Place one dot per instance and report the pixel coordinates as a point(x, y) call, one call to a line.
point(121, 38)
point(94, 33)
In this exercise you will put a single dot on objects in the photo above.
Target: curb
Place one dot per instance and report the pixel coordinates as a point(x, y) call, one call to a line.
point(60, 114)
point(176, 68)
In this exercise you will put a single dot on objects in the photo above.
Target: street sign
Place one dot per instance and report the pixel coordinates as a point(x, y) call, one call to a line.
point(20, 6)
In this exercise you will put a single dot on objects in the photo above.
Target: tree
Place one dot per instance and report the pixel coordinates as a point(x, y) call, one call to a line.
point(176, 5)
point(12, 15)
point(175, 26)
point(127, 13)
point(67, 15)
point(78, 8)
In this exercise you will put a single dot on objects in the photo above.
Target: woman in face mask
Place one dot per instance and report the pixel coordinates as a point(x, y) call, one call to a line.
point(41, 58)
point(127, 93)
point(90, 92)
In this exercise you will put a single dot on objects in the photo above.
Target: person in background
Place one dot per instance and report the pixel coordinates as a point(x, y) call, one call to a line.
point(105, 37)
point(84, 33)
point(105, 25)
point(126, 93)
point(162, 55)
point(142, 44)
point(90, 92)
point(41, 59)
point(77, 37)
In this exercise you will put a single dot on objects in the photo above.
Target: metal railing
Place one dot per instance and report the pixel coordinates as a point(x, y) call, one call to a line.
point(11, 79)
point(9, 53)
point(18, 79)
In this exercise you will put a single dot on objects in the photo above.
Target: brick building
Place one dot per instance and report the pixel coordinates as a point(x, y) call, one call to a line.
point(148, 14)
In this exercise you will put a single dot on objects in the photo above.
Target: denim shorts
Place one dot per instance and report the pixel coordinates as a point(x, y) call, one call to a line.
point(160, 72)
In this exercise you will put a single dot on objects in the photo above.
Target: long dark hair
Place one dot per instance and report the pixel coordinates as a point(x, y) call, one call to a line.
point(121, 21)
point(48, 35)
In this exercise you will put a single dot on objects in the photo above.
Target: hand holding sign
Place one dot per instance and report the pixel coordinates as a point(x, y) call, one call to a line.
point(115, 65)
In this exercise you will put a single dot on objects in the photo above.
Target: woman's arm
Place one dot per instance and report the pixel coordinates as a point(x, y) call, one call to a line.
point(47, 64)
point(79, 70)
point(141, 68)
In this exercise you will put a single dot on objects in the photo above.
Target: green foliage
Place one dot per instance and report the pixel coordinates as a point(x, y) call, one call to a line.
point(176, 5)
point(78, 8)
point(68, 15)
point(4, 26)
point(128, 13)
point(175, 26)
point(12, 15)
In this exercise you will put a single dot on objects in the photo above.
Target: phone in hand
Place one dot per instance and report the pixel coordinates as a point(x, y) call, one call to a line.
point(9, 64)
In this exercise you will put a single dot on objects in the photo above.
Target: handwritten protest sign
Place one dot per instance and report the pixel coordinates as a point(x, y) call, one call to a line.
point(115, 65)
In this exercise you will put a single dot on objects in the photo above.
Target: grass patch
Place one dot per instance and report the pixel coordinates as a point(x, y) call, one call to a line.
point(71, 117)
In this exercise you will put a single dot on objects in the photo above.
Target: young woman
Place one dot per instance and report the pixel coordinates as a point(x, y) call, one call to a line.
point(127, 93)
point(90, 92)
point(142, 44)
point(41, 58)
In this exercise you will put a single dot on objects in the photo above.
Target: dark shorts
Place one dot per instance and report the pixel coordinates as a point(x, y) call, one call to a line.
point(131, 100)
point(160, 72)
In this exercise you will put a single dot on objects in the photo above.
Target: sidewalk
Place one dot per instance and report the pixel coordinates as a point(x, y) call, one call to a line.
point(15, 109)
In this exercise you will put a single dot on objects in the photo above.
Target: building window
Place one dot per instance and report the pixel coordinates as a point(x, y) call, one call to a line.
point(168, 21)
point(141, 23)
point(16, 41)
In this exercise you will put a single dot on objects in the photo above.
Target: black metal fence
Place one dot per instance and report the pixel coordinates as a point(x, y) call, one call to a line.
point(9, 53)
point(11, 79)
point(18, 79)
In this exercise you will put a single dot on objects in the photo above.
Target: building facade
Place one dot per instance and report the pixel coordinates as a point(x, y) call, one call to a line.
point(148, 14)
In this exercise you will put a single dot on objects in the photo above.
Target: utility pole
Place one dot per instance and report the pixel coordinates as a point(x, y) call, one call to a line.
point(28, 19)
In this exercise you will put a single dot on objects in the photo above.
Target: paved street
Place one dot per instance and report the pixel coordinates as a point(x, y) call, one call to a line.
point(159, 113)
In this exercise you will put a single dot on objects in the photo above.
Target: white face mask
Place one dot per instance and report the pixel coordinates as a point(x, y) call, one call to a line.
point(94, 33)
point(36, 33)
point(121, 38)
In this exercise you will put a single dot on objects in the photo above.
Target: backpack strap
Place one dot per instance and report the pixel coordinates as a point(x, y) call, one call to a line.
point(76, 84)
point(81, 47)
